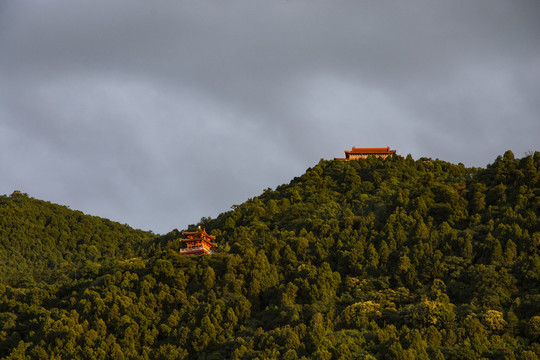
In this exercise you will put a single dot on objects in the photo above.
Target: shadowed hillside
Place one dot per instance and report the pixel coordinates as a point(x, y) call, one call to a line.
point(41, 241)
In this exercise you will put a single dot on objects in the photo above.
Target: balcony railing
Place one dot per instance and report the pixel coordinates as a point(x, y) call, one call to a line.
point(196, 248)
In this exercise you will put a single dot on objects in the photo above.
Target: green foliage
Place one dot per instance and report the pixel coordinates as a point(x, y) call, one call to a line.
point(41, 241)
point(367, 259)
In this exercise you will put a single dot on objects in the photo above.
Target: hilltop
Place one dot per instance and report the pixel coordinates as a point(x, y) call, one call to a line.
point(364, 259)
point(42, 241)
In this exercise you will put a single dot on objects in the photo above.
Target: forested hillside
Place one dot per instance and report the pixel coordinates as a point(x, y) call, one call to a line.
point(367, 259)
point(41, 241)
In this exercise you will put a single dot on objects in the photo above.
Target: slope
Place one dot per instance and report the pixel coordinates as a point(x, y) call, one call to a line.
point(44, 241)
point(365, 259)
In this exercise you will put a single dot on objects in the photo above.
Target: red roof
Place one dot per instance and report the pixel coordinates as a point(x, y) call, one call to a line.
point(197, 234)
point(198, 239)
point(356, 150)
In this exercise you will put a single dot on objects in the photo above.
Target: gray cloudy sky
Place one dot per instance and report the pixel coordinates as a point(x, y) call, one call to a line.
point(156, 114)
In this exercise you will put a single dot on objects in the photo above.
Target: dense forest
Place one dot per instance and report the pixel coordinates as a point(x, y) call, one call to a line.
point(44, 241)
point(367, 259)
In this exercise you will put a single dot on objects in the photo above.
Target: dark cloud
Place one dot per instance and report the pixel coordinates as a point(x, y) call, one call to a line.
point(157, 115)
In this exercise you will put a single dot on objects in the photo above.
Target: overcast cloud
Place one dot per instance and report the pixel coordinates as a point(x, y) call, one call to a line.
point(156, 114)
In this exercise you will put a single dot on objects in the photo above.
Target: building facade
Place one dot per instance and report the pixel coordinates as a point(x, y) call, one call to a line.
point(363, 153)
point(197, 243)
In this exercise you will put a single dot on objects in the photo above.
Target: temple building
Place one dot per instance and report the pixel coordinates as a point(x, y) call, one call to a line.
point(362, 153)
point(197, 243)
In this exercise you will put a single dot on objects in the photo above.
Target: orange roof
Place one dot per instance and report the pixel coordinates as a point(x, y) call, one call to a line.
point(197, 239)
point(356, 150)
point(197, 234)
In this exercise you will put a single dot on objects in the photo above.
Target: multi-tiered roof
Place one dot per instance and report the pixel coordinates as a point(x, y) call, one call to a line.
point(197, 243)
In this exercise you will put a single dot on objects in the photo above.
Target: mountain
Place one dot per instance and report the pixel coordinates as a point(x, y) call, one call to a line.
point(367, 259)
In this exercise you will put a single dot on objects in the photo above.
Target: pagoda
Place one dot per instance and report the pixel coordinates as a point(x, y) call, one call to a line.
point(197, 242)
point(363, 153)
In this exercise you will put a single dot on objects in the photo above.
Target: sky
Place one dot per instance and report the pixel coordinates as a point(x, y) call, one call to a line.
point(156, 114)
